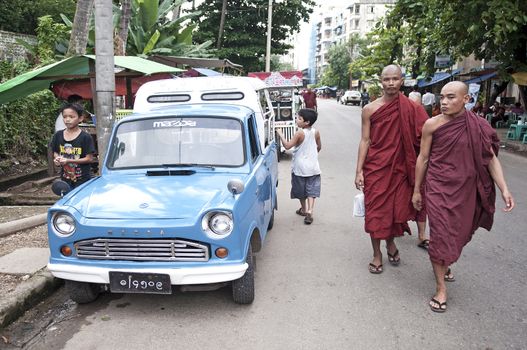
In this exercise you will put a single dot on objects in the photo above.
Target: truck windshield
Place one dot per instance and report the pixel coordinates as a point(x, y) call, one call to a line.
point(202, 141)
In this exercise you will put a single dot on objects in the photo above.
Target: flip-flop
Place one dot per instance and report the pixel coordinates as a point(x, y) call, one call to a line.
point(300, 212)
point(449, 276)
point(440, 308)
point(424, 244)
point(394, 258)
point(375, 269)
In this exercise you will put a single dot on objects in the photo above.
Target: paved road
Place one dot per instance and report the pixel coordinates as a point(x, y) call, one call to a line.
point(313, 287)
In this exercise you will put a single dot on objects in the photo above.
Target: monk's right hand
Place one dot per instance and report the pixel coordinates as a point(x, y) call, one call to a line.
point(508, 199)
point(417, 201)
point(359, 181)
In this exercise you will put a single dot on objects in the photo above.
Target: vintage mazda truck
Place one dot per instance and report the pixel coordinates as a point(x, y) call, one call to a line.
point(186, 194)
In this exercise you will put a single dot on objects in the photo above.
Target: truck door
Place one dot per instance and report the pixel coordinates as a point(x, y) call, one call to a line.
point(262, 175)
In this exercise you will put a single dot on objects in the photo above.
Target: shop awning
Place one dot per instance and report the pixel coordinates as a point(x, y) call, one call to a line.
point(77, 67)
point(438, 77)
point(520, 78)
point(207, 72)
point(481, 78)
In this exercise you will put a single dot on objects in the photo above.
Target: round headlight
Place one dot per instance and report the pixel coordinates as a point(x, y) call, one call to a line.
point(63, 224)
point(219, 223)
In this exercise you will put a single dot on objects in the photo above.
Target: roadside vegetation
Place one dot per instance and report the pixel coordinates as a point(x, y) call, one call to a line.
point(142, 28)
point(414, 32)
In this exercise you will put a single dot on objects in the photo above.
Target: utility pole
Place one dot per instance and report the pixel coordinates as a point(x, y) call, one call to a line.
point(269, 26)
point(104, 75)
point(222, 23)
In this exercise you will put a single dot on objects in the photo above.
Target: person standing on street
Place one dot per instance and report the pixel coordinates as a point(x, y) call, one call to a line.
point(428, 100)
point(391, 128)
point(310, 99)
point(459, 158)
point(364, 98)
point(305, 169)
point(415, 95)
point(59, 122)
point(422, 241)
point(73, 148)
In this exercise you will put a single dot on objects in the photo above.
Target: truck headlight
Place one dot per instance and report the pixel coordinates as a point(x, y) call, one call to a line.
point(63, 224)
point(219, 223)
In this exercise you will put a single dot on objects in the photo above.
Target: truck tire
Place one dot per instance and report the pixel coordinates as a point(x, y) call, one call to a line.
point(271, 221)
point(82, 292)
point(275, 207)
point(243, 287)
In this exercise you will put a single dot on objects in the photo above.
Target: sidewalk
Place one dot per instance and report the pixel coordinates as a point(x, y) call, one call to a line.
point(511, 145)
point(27, 267)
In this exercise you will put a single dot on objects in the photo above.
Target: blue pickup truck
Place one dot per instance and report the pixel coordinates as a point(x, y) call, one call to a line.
point(186, 194)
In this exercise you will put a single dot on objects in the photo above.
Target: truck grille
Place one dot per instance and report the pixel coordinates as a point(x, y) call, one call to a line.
point(141, 249)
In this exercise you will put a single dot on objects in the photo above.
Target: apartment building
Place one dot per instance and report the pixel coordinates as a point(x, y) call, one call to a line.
point(335, 24)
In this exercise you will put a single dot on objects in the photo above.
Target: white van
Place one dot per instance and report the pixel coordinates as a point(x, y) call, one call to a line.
point(244, 91)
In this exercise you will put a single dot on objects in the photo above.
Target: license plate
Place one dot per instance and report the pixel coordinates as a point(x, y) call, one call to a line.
point(147, 283)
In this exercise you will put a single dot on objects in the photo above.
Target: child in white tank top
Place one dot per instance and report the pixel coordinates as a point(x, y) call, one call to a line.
point(305, 169)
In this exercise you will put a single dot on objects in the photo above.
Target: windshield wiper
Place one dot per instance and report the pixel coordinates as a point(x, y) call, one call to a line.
point(182, 165)
point(182, 172)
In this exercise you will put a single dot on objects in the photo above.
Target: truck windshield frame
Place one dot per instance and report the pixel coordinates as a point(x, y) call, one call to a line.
point(155, 142)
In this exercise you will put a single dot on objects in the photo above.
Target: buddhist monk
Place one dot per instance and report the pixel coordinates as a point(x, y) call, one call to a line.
point(310, 99)
point(391, 129)
point(458, 156)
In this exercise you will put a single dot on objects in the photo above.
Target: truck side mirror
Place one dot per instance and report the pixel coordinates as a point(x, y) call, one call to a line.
point(235, 186)
point(60, 188)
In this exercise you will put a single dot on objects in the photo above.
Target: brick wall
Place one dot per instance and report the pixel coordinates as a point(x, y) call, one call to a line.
point(10, 50)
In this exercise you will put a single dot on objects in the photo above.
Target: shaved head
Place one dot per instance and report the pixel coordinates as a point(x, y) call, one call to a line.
point(391, 81)
point(457, 86)
point(392, 69)
point(454, 96)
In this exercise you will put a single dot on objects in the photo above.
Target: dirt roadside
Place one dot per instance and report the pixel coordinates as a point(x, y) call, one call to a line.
point(31, 238)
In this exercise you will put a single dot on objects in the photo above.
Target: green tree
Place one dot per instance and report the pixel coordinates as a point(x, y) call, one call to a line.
point(337, 74)
point(276, 65)
point(245, 30)
point(80, 28)
point(49, 35)
point(21, 16)
point(382, 46)
point(488, 29)
point(152, 32)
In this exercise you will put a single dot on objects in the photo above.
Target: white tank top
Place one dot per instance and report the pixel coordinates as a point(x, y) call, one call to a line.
point(305, 156)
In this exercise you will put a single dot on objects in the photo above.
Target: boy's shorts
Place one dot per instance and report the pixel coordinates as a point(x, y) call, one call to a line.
point(305, 186)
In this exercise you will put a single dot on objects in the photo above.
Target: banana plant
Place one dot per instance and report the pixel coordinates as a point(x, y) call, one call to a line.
point(151, 31)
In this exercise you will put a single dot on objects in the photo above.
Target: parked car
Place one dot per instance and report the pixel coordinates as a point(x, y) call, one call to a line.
point(186, 195)
point(351, 96)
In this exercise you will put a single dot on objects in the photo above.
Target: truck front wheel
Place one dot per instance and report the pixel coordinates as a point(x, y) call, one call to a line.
point(82, 292)
point(243, 288)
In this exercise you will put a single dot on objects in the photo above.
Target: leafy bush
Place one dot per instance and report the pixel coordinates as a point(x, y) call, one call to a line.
point(10, 70)
point(27, 125)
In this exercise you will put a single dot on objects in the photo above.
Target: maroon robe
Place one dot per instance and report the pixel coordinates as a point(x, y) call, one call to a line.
point(310, 99)
point(460, 192)
point(389, 168)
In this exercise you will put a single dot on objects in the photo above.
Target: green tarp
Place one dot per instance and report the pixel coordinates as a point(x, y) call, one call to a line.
point(71, 68)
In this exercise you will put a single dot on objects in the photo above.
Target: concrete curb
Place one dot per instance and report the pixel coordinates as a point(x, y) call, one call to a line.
point(11, 227)
point(26, 295)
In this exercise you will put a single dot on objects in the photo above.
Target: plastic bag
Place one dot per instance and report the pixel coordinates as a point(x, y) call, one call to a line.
point(358, 205)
